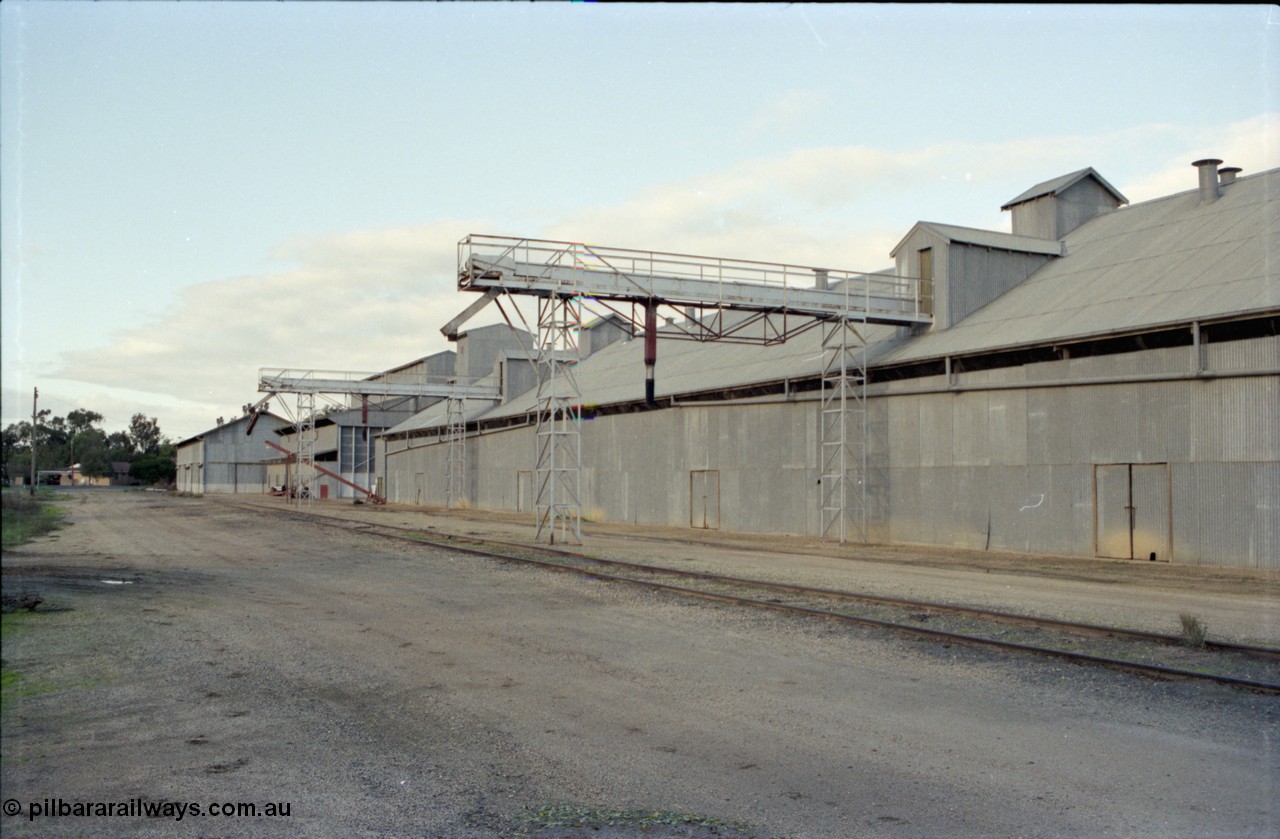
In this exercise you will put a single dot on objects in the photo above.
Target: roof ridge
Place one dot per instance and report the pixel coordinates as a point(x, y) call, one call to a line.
point(1053, 186)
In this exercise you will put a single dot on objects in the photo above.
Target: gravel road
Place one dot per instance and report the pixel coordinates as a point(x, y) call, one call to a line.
point(190, 652)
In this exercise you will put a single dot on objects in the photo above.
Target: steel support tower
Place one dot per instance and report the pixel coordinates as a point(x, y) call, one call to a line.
point(843, 438)
point(304, 484)
point(456, 470)
point(558, 467)
point(718, 300)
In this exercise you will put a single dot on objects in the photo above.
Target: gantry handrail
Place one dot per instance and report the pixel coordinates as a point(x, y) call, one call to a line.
point(542, 266)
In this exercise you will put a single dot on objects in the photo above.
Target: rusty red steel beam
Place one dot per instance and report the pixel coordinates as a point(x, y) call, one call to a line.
point(372, 495)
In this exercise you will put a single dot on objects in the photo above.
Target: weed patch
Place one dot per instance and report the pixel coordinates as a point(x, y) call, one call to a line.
point(1194, 632)
point(598, 821)
point(26, 517)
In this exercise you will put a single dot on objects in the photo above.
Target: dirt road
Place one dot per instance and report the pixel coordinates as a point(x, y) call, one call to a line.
point(1238, 605)
point(208, 655)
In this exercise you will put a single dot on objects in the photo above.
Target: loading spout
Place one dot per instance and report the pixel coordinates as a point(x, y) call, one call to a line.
point(450, 329)
point(255, 410)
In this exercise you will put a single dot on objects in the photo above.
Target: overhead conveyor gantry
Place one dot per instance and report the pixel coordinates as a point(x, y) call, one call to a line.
point(718, 300)
point(308, 384)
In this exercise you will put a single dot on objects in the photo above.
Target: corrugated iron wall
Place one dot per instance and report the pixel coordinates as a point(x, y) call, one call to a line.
point(986, 464)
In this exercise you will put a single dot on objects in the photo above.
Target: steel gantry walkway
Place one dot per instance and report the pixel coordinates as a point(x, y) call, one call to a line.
point(308, 384)
point(718, 300)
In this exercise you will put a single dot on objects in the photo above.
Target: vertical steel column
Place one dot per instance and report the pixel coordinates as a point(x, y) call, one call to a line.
point(650, 349)
point(305, 491)
point(558, 469)
point(456, 436)
point(843, 421)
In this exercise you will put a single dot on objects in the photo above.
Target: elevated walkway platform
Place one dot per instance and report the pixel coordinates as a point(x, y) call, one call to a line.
point(541, 267)
point(283, 380)
point(781, 302)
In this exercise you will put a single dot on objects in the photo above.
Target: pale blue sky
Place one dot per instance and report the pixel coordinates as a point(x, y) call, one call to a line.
point(192, 191)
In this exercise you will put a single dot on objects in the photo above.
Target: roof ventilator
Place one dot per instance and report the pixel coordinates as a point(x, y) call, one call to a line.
point(1208, 179)
point(1227, 175)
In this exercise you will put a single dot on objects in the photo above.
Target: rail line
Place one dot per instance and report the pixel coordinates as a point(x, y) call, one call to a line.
point(1253, 668)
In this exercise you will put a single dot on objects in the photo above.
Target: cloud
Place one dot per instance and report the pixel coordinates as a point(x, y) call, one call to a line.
point(362, 300)
point(788, 111)
point(1252, 144)
point(117, 406)
point(847, 206)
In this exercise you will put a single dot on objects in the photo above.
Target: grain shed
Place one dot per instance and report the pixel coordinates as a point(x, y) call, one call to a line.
point(1100, 381)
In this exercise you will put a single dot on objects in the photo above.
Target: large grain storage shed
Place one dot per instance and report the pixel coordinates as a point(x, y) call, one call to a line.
point(1100, 381)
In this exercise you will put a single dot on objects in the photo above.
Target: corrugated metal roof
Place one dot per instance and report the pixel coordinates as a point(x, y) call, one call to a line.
point(984, 238)
point(616, 373)
point(435, 416)
point(267, 415)
point(1163, 262)
point(1057, 185)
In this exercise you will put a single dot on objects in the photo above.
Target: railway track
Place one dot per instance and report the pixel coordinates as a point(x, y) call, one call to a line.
point(1155, 655)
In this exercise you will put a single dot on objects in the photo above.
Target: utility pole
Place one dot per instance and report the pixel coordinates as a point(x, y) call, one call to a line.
point(35, 398)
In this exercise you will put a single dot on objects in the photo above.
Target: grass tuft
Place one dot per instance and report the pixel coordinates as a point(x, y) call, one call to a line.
point(26, 517)
point(1194, 631)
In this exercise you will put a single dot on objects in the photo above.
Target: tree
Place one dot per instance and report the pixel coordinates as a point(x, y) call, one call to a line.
point(79, 420)
point(153, 468)
point(17, 449)
point(61, 442)
point(120, 446)
point(90, 447)
point(55, 431)
point(145, 433)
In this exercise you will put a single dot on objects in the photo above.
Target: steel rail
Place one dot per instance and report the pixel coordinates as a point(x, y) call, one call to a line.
point(1029, 621)
point(447, 542)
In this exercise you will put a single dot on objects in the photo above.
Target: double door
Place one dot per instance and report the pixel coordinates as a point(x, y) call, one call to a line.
point(1131, 511)
point(704, 499)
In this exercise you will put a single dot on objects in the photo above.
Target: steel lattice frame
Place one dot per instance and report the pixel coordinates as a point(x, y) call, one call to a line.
point(843, 420)
point(779, 301)
point(456, 471)
point(308, 383)
point(558, 469)
point(305, 481)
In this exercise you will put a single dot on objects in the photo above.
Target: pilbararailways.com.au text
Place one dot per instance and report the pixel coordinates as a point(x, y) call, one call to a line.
point(139, 808)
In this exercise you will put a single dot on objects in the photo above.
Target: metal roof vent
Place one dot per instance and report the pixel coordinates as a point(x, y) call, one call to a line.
point(1208, 179)
point(1227, 175)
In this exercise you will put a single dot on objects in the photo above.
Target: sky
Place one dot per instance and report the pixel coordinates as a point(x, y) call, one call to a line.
point(190, 192)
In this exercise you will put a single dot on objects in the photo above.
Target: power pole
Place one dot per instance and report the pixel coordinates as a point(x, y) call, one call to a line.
point(34, 401)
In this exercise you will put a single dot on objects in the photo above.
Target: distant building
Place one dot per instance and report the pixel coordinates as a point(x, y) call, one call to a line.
point(346, 435)
point(71, 476)
point(229, 457)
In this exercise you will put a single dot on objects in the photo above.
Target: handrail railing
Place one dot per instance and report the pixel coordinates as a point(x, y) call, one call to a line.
point(884, 293)
point(346, 381)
